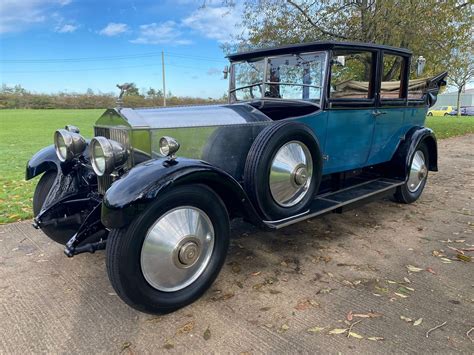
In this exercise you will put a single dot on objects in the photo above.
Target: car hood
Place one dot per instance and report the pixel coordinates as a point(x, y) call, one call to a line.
point(184, 116)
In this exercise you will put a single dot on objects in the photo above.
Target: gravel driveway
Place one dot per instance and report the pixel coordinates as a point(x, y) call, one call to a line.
point(284, 291)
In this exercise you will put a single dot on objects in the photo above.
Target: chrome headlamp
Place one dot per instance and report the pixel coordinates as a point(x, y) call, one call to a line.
point(168, 146)
point(68, 144)
point(106, 155)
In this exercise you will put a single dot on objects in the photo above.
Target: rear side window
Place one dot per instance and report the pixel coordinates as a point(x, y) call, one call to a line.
point(351, 75)
point(392, 77)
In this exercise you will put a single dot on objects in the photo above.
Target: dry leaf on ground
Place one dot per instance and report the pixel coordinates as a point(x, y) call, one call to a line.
point(418, 321)
point(413, 268)
point(338, 331)
point(316, 329)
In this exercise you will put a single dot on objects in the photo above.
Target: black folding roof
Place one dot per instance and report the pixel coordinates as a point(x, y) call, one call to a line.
point(312, 46)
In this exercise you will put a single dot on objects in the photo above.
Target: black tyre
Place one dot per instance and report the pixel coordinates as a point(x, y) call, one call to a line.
point(417, 176)
point(283, 169)
point(60, 235)
point(430, 114)
point(170, 254)
point(446, 114)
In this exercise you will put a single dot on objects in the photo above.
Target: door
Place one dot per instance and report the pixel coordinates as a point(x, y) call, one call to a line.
point(351, 101)
point(389, 114)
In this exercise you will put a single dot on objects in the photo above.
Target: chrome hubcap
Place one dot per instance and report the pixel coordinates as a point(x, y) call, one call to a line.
point(418, 171)
point(290, 174)
point(177, 248)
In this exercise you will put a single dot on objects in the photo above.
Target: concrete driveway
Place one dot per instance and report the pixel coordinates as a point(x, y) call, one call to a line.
point(391, 272)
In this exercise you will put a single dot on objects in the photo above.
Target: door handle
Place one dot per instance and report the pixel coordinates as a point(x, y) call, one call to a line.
point(377, 113)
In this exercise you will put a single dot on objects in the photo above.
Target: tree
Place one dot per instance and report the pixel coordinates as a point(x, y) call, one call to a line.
point(461, 72)
point(431, 28)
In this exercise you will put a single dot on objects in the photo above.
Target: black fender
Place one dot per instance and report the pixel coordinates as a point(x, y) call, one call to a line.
point(399, 165)
point(143, 184)
point(44, 160)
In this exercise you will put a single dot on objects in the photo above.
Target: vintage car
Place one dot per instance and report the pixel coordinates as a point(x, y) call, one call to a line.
point(309, 129)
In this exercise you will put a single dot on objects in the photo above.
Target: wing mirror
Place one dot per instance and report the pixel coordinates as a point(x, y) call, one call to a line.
point(226, 71)
point(420, 65)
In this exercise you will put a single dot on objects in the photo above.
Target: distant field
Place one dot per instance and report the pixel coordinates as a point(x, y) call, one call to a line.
point(24, 132)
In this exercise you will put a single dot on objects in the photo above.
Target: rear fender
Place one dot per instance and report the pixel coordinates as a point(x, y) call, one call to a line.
point(130, 196)
point(399, 166)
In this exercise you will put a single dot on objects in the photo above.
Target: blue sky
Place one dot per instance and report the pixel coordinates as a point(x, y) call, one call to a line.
point(72, 45)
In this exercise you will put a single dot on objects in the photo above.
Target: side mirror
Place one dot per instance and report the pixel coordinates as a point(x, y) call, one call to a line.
point(420, 65)
point(226, 71)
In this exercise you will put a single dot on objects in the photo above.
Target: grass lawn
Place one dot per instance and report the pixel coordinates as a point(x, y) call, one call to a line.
point(24, 132)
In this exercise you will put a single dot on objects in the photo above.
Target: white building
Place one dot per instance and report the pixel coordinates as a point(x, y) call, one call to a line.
point(450, 98)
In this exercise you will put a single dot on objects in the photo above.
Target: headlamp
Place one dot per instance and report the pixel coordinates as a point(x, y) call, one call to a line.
point(106, 155)
point(68, 144)
point(168, 146)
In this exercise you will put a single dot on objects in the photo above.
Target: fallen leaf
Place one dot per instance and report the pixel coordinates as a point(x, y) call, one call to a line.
point(446, 260)
point(368, 315)
point(349, 316)
point(125, 346)
point(401, 295)
point(316, 329)
point(186, 328)
point(391, 282)
point(465, 258)
point(264, 309)
point(256, 273)
point(338, 331)
point(407, 280)
point(430, 270)
point(168, 345)
point(418, 321)
point(375, 338)
point(406, 319)
point(284, 327)
point(413, 268)
point(303, 305)
point(207, 334)
point(355, 335)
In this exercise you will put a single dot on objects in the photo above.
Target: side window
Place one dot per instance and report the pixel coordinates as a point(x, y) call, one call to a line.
point(351, 75)
point(392, 77)
point(416, 86)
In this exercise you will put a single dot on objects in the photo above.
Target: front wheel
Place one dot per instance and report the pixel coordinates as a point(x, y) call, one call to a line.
point(417, 176)
point(60, 234)
point(170, 254)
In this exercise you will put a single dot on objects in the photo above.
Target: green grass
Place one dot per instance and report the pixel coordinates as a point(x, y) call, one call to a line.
point(450, 126)
point(24, 132)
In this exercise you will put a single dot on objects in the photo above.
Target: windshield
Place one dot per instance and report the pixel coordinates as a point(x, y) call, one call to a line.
point(294, 77)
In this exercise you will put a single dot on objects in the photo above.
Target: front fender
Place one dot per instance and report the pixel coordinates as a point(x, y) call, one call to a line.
point(400, 163)
point(44, 160)
point(143, 184)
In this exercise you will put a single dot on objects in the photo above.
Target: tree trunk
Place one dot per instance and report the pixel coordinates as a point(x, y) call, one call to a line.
point(458, 104)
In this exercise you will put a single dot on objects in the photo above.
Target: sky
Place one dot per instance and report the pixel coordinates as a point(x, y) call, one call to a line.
point(72, 45)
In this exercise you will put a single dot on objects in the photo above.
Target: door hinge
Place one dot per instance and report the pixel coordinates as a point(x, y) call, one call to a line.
point(325, 157)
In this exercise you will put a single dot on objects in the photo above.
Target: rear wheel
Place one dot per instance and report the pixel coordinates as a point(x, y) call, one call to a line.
point(170, 255)
point(417, 176)
point(60, 235)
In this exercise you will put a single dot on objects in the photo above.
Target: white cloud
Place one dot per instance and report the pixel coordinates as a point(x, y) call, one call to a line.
point(215, 22)
point(160, 33)
point(18, 16)
point(114, 29)
point(67, 28)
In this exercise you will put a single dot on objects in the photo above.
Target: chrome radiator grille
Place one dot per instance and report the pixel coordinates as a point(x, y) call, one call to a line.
point(118, 135)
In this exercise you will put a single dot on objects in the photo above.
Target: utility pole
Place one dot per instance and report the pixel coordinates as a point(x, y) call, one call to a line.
point(164, 80)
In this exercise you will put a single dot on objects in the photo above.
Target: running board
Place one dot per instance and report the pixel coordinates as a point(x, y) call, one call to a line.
point(334, 201)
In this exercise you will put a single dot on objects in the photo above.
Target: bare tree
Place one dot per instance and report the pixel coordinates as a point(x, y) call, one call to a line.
point(461, 72)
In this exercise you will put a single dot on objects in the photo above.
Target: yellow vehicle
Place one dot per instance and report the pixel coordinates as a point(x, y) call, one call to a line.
point(440, 111)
